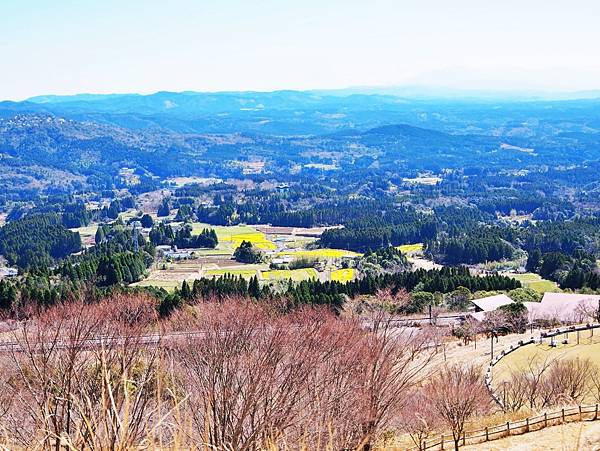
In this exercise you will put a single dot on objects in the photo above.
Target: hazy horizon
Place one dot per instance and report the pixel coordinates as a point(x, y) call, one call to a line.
point(69, 47)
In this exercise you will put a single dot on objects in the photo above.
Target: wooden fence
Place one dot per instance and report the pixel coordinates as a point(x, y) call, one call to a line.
point(536, 423)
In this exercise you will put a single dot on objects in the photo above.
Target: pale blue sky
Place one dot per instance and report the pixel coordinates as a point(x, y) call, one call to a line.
point(69, 46)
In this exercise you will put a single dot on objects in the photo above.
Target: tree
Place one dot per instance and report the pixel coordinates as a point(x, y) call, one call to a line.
point(457, 394)
point(186, 292)
point(247, 253)
point(534, 260)
point(419, 301)
point(147, 221)
point(418, 418)
point(459, 299)
point(99, 237)
point(164, 209)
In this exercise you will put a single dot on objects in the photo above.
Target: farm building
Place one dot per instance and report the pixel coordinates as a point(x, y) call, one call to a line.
point(564, 307)
point(488, 304)
point(491, 303)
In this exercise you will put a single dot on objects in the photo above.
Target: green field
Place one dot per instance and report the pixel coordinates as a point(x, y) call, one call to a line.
point(588, 348)
point(534, 281)
point(246, 273)
point(294, 274)
point(86, 231)
point(168, 285)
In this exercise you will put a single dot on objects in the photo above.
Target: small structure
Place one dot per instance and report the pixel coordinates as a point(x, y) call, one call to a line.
point(489, 304)
point(8, 272)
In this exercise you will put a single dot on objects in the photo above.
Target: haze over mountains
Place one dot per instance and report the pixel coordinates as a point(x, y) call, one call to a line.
point(189, 133)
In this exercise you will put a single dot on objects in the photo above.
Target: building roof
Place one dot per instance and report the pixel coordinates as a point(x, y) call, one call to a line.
point(564, 307)
point(491, 303)
point(569, 297)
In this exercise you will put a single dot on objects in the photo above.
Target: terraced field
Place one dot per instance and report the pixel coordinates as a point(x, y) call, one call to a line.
point(218, 262)
point(245, 273)
point(88, 234)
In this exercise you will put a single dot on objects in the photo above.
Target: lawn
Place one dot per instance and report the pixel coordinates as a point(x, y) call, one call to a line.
point(588, 348)
point(294, 274)
point(534, 281)
point(342, 275)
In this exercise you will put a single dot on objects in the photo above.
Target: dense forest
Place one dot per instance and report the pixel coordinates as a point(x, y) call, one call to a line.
point(37, 240)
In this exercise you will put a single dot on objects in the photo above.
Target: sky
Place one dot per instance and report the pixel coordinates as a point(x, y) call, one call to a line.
point(121, 46)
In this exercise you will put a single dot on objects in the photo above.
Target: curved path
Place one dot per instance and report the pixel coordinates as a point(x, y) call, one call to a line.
point(548, 334)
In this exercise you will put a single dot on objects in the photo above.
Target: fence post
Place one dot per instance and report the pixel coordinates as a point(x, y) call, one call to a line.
point(596, 413)
point(563, 415)
point(464, 438)
point(442, 443)
point(527, 424)
point(487, 437)
point(508, 428)
point(545, 419)
point(580, 412)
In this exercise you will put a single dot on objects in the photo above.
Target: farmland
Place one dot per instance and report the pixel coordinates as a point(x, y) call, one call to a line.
point(275, 242)
point(230, 237)
point(87, 233)
point(534, 281)
point(319, 253)
point(342, 275)
point(410, 248)
point(295, 274)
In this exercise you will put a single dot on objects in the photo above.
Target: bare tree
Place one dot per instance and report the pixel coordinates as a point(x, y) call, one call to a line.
point(418, 418)
point(398, 359)
point(457, 394)
point(569, 379)
point(85, 378)
point(515, 391)
point(537, 391)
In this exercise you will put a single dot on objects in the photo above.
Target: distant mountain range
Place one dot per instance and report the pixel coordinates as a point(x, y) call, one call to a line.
point(309, 112)
point(91, 137)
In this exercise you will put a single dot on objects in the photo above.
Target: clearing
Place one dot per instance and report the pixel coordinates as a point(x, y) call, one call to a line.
point(534, 281)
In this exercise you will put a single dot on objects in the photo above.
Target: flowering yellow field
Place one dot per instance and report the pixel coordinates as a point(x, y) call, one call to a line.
point(410, 248)
point(232, 236)
point(342, 275)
